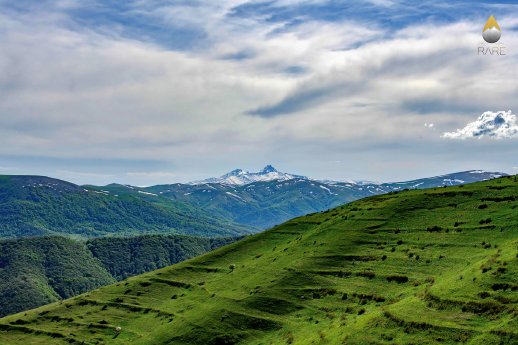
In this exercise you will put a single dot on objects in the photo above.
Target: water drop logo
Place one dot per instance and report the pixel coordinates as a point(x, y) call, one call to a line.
point(492, 31)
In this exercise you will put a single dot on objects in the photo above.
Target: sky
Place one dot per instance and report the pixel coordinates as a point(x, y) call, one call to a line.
point(153, 91)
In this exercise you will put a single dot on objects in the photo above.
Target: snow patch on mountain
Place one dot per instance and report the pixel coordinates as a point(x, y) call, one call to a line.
point(147, 193)
point(235, 196)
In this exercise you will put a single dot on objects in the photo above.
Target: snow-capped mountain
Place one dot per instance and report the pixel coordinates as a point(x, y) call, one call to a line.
point(239, 177)
point(269, 197)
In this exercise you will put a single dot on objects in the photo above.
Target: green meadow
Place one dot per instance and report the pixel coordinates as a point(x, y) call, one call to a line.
point(434, 266)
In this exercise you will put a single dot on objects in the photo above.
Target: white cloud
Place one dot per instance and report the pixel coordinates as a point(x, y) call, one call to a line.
point(67, 91)
point(495, 125)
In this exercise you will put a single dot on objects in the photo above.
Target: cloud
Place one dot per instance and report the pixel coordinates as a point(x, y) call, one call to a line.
point(325, 80)
point(494, 125)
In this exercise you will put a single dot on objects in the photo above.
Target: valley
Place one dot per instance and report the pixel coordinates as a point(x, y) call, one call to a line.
point(40, 270)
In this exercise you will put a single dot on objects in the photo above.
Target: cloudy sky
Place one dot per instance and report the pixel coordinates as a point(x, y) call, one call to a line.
point(158, 91)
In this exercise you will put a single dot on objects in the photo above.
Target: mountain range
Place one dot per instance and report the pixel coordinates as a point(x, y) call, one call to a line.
point(240, 177)
point(275, 197)
point(35, 205)
point(432, 266)
point(119, 219)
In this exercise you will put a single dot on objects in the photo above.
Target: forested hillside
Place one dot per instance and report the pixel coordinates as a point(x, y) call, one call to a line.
point(35, 206)
point(124, 257)
point(37, 271)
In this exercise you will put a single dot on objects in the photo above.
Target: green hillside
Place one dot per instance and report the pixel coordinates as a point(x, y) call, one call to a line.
point(36, 206)
point(125, 257)
point(436, 266)
point(41, 270)
point(37, 271)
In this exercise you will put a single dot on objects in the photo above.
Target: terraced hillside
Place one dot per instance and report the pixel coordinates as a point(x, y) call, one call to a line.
point(436, 266)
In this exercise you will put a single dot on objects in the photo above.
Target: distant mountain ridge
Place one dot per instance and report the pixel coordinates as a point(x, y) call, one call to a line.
point(35, 205)
point(271, 200)
point(240, 177)
point(38, 205)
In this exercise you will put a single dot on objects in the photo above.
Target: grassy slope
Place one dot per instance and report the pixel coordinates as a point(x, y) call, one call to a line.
point(322, 279)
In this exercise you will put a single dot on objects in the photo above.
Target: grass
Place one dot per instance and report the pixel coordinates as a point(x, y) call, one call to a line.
point(415, 267)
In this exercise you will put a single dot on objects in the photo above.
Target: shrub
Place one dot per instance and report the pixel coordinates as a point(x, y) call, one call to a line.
point(434, 228)
point(501, 270)
point(366, 274)
point(397, 278)
point(485, 221)
point(430, 280)
point(487, 307)
point(290, 338)
point(322, 335)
